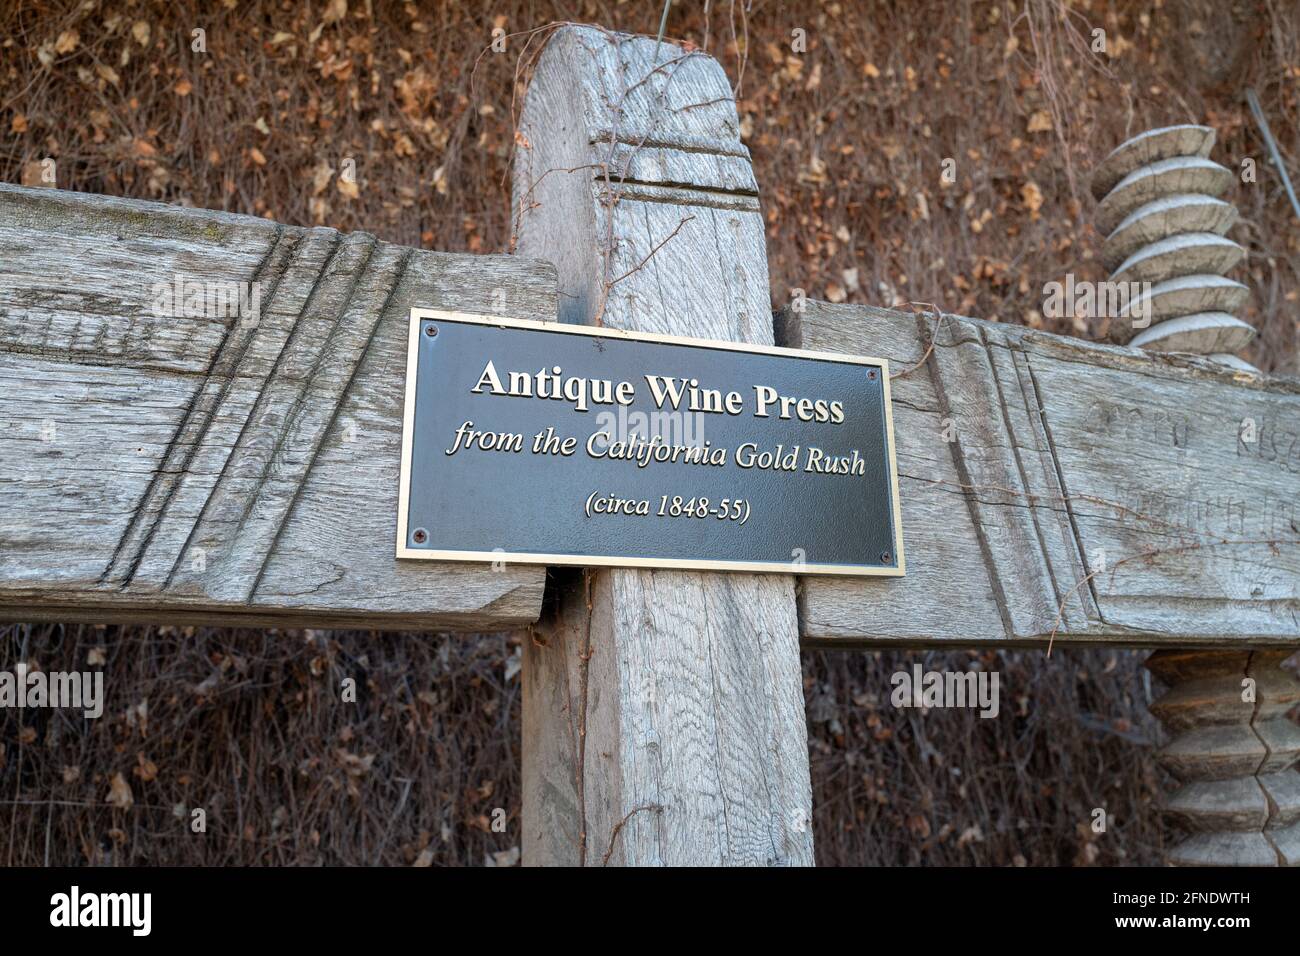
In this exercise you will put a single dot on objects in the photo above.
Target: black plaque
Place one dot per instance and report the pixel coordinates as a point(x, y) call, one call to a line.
point(769, 459)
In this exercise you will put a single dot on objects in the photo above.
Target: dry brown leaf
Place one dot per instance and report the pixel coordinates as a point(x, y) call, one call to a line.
point(256, 156)
point(140, 30)
point(1031, 196)
point(1040, 122)
point(321, 176)
point(67, 41)
point(183, 87)
point(108, 74)
point(119, 793)
point(145, 769)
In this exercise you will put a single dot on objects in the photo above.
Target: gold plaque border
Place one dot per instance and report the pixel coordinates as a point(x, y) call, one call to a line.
point(614, 561)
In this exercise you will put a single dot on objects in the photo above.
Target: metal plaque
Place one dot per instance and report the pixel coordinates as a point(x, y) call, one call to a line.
point(541, 443)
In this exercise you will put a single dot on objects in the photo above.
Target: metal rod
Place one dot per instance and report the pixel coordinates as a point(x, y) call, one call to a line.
point(1255, 108)
point(663, 23)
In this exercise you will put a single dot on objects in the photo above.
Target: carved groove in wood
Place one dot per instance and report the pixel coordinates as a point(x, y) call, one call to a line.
point(187, 465)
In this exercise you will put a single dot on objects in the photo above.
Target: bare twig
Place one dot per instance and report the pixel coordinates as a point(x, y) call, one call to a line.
point(649, 255)
point(934, 334)
point(618, 828)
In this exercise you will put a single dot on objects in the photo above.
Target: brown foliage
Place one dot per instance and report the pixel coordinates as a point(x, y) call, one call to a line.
point(249, 726)
point(848, 138)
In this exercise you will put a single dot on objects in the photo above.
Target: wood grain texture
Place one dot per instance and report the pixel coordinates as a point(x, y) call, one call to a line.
point(1148, 147)
point(664, 722)
point(1163, 218)
point(187, 466)
point(1058, 489)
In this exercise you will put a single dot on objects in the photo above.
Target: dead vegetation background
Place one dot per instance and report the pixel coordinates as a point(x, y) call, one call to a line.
point(848, 140)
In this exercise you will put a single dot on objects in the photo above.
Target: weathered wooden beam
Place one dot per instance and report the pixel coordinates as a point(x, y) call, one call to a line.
point(663, 711)
point(1053, 488)
point(161, 462)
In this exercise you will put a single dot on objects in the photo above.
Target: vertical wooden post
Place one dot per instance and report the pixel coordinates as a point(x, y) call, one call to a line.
point(663, 714)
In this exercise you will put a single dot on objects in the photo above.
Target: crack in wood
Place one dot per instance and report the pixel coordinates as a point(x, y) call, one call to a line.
point(679, 143)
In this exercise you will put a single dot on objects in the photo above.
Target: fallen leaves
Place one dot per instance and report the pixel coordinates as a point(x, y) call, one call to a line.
point(119, 793)
point(814, 173)
point(355, 765)
point(108, 74)
point(1032, 197)
point(1039, 122)
point(145, 768)
point(336, 11)
point(321, 176)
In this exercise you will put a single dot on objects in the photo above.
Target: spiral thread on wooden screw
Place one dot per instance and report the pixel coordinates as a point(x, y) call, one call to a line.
point(1160, 209)
point(1233, 749)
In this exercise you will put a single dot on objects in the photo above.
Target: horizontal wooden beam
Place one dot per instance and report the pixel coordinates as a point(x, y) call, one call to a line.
point(174, 467)
point(1056, 489)
point(162, 462)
